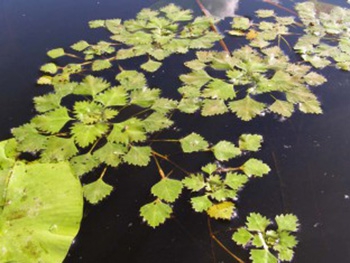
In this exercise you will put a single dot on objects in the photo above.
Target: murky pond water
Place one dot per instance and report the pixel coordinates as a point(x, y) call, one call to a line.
point(309, 155)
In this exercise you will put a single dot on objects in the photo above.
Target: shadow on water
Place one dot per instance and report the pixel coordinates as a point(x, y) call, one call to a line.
point(308, 154)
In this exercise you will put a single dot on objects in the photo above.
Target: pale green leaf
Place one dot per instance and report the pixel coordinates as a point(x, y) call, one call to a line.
point(201, 203)
point(194, 182)
point(88, 112)
point(223, 210)
point(52, 121)
point(116, 96)
point(314, 79)
point(44, 80)
point(235, 181)
point(197, 78)
point(247, 108)
point(262, 256)
point(49, 68)
point(225, 150)
point(29, 139)
point(210, 168)
point(311, 106)
point(47, 102)
point(86, 134)
point(195, 64)
point(155, 213)
point(42, 215)
point(96, 23)
point(114, 25)
point(254, 167)
point(288, 222)
point(285, 254)
point(163, 105)
point(101, 64)
point(58, 149)
point(8, 155)
point(282, 107)
point(131, 79)
point(220, 89)
point(96, 191)
point(242, 236)
point(131, 130)
point(193, 143)
point(167, 189)
point(240, 22)
point(213, 107)
point(91, 86)
point(250, 142)
point(151, 65)
point(145, 97)
point(80, 46)
point(110, 153)
point(263, 13)
point(56, 53)
point(138, 155)
point(83, 164)
point(257, 222)
point(156, 122)
point(189, 105)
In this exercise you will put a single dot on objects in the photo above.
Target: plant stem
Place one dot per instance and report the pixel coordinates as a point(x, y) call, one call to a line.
point(103, 173)
point(212, 235)
point(164, 140)
point(171, 162)
point(281, 7)
point(213, 27)
point(160, 170)
point(221, 170)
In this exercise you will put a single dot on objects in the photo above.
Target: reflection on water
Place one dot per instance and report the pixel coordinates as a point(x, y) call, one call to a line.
point(217, 8)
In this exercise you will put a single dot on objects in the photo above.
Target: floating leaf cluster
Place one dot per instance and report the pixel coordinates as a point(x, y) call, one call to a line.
point(327, 36)
point(266, 244)
point(221, 82)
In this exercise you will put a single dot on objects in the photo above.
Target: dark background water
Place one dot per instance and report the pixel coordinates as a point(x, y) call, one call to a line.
point(309, 155)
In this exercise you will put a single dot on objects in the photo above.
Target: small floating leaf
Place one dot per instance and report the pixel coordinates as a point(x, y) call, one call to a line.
point(151, 65)
point(45, 80)
point(101, 64)
point(194, 182)
point(225, 150)
point(138, 155)
point(56, 53)
point(96, 23)
point(49, 68)
point(80, 46)
point(250, 142)
point(242, 236)
point(262, 256)
point(86, 134)
point(257, 222)
point(155, 213)
point(97, 191)
point(223, 210)
point(254, 167)
point(193, 143)
point(247, 108)
point(167, 189)
point(52, 121)
point(288, 222)
point(283, 108)
point(201, 203)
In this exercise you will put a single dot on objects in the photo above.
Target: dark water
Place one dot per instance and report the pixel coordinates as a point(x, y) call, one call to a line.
point(309, 155)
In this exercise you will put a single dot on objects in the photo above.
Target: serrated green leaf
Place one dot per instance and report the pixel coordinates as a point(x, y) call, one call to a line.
point(311, 106)
point(110, 153)
point(125, 53)
point(114, 25)
point(242, 237)
point(52, 121)
point(254, 167)
point(222, 193)
point(91, 86)
point(155, 213)
point(151, 65)
point(96, 191)
point(262, 256)
point(29, 139)
point(257, 222)
point(250, 142)
point(145, 97)
point(56, 53)
point(83, 164)
point(131, 79)
point(193, 143)
point(101, 64)
point(138, 155)
point(201, 203)
point(88, 112)
point(220, 89)
point(167, 189)
point(258, 241)
point(235, 181)
point(175, 14)
point(247, 108)
point(225, 150)
point(116, 96)
point(282, 107)
point(156, 122)
point(80, 45)
point(288, 222)
point(58, 149)
point(195, 64)
point(163, 105)
point(49, 68)
point(223, 210)
point(189, 105)
point(210, 168)
point(213, 107)
point(131, 130)
point(86, 134)
point(47, 102)
point(314, 79)
point(197, 78)
point(194, 182)
point(285, 254)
